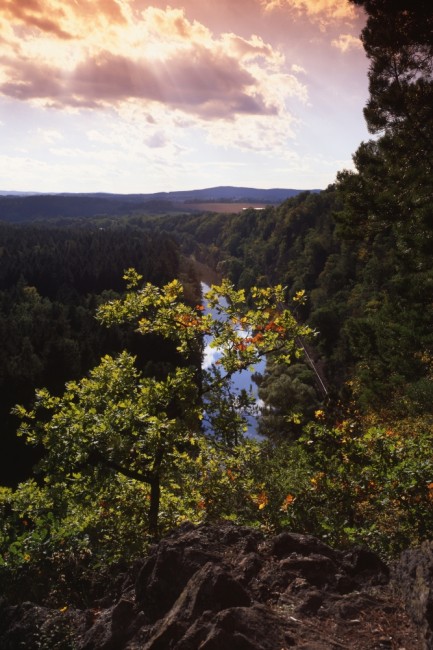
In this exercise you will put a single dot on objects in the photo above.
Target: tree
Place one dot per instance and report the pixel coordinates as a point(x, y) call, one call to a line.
point(386, 215)
point(290, 398)
point(396, 169)
point(119, 425)
point(399, 43)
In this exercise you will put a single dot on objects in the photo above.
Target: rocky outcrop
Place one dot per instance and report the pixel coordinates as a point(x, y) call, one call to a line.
point(228, 588)
point(414, 580)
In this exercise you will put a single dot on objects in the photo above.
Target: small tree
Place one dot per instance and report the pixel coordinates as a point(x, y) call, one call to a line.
point(117, 426)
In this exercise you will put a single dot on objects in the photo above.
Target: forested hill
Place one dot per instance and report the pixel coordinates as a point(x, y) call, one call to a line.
point(16, 207)
point(23, 209)
point(368, 293)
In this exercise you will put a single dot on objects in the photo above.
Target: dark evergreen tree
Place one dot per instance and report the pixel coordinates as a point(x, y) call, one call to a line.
point(398, 40)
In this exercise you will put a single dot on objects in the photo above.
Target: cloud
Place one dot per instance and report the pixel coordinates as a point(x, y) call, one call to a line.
point(110, 11)
point(208, 84)
point(157, 140)
point(165, 58)
point(136, 87)
point(253, 49)
point(172, 26)
point(46, 16)
point(64, 20)
point(49, 136)
point(298, 69)
point(210, 356)
point(269, 137)
point(322, 11)
point(28, 80)
point(346, 42)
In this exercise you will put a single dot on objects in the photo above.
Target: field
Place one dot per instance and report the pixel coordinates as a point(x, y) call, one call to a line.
point(227, 208)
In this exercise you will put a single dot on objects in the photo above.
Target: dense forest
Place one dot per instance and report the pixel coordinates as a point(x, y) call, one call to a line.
point(334, 289)
point(51, 282)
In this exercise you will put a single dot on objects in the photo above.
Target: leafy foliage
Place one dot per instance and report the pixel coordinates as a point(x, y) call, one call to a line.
point(133, 444)
point(371, 484)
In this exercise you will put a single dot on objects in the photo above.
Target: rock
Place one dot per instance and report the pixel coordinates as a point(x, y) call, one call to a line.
point(366, 567)
point(241, 628)
point(353, 606)
point(311, 603)
point(22, 623)
point(169, 567)
point(316, 569)
point(212, 589)
point(286, 543)
point(226, 587)
point(414, 581)
point(35, 627)
point(122, 616)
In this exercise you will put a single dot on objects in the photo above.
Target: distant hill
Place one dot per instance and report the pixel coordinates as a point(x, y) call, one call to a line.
point(15, 193)
point(221, 193)
point(25, 206)
point(30, 208)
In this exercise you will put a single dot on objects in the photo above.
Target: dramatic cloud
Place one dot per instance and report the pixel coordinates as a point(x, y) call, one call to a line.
point(164, 58)
point(139, 95)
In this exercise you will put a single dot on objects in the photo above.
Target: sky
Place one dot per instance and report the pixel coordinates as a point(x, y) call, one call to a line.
point(128, 96)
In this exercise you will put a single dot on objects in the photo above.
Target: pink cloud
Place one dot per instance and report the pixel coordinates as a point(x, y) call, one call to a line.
point(34, 13)
point(61, 19)
point(252, 48)
point(111, 9)
point(30, 81)
point(201, 81)
point(150, 56)
point(197, 81)
point(323, 11)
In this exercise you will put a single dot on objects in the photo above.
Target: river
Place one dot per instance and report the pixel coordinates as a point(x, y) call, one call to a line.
point(241, 380)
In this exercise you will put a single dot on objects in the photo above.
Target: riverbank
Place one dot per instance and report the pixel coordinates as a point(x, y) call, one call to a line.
point(205, 273)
